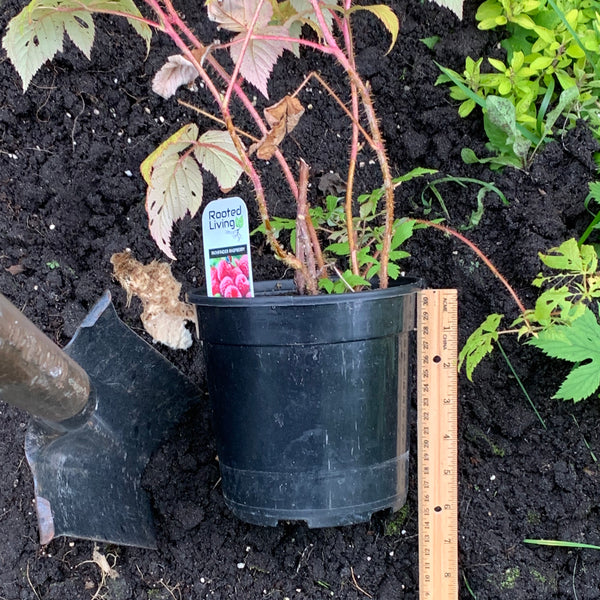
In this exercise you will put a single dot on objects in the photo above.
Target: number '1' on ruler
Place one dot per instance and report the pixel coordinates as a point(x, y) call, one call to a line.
point(437, 426)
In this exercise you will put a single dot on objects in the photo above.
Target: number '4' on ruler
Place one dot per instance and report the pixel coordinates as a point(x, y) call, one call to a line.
point(437, 426)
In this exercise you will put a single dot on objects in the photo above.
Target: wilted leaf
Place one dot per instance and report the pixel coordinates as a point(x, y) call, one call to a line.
point(282, 118)
point(177, 71)
point(164, 316)
point(260, 56)
point(15, 269)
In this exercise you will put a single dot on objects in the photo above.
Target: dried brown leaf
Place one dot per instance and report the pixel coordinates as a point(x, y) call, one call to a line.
point(15, 269)
point(164, 315)
point(281, 117)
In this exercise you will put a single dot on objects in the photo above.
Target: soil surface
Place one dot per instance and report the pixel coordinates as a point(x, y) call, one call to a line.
point(71, 195)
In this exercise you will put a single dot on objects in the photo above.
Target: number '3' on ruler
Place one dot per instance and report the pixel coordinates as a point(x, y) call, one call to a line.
point(437, 426)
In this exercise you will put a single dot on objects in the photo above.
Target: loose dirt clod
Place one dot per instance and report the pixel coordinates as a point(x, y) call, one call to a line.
point(164, 316)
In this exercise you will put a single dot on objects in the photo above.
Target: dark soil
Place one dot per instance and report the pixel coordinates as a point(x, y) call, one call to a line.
point(71, 195)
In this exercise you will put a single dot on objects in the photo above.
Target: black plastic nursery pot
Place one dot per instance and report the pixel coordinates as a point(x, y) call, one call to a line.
point(310, 400)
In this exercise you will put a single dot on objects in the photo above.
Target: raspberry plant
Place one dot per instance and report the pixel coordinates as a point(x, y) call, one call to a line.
point(258, 33)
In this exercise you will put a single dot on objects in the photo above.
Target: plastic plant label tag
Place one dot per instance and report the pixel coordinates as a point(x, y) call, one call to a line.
point(227, 262)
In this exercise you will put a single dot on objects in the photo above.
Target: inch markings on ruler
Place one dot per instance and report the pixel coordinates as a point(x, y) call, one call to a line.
point(437, 426)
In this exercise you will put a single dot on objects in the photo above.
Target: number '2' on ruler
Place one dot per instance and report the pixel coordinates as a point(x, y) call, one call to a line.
point(437, 426)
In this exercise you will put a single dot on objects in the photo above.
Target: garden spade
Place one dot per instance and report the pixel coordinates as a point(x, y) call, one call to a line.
point(100, 408)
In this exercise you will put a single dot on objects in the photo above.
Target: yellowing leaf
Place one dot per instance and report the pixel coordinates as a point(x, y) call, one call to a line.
point(174, 185)
point(174, 178)
point(217, 153)
point(387, 16)
point(36, 34)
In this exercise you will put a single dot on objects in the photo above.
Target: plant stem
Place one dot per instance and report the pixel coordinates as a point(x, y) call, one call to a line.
point(378, 145)
point(172, 20)
point(304, 248)
point(353, 153)
point(488, 263)
point(238, 65)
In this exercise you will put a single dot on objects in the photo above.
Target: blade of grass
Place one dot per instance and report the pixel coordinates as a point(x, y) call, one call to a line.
point(562, 544)
point(471, 592)
point(585, 441)
point(535, 410)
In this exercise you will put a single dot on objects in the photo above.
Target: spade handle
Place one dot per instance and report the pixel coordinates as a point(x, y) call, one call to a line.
point(35, 374)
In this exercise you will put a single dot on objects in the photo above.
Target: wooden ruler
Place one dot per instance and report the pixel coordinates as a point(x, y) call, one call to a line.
point(437, 425)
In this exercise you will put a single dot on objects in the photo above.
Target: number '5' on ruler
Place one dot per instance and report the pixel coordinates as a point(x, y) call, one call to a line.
point(437, 426)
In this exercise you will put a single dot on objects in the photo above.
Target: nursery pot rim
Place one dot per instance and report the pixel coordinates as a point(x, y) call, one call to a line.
point(287, 295)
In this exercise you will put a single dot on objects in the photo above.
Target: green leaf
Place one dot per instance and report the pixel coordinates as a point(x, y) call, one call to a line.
point(580, 383)
point(326, 284)
point(403, 230)
point(387, 16)
point(566, 99)
point(550, 301)
point(566, 257)
point(36, 34)
point(431, 41)
point(502, 126)
point(413, 174)
point(341, 248)
point(479, 344)
point(578, 342)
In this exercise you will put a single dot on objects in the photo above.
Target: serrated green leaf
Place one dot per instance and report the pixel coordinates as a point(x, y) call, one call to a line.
point(387, 16)
point(34, 36)
point(353, 280)
point(326, 284)
point(575, 342)
point(393, 271)
point(340, 248)
point(403, 230)
point(580, 383)
point(479, 344)
point(217, 153)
